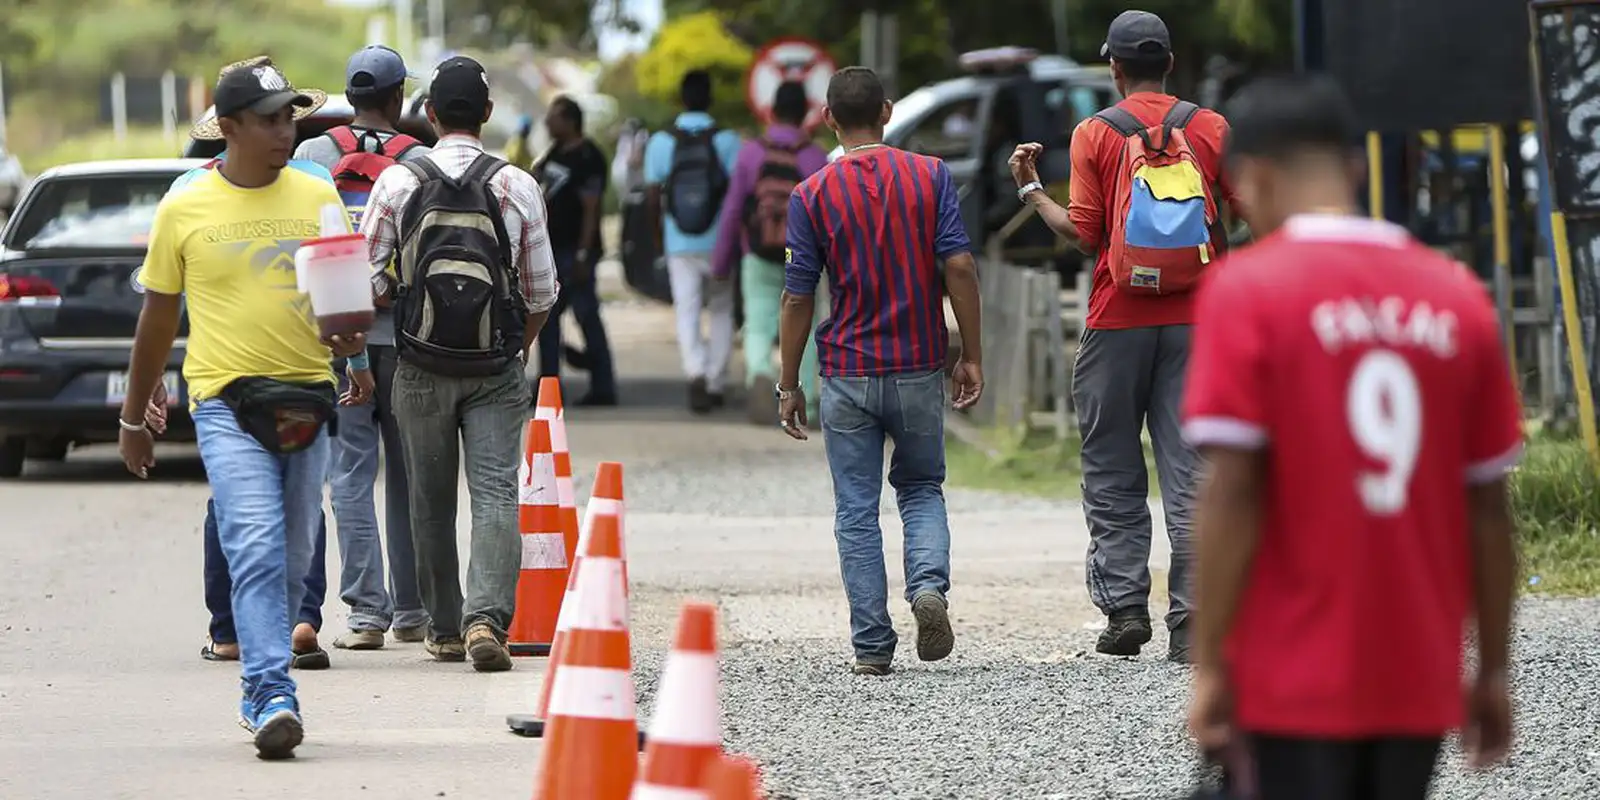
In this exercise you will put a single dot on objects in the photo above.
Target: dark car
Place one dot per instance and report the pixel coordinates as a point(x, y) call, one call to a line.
point(337, 111)
point(69, 303)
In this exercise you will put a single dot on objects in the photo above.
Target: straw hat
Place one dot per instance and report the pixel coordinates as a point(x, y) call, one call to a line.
point(268, 76)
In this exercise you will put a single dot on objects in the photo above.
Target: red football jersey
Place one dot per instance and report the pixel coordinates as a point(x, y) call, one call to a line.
point(1372, 372)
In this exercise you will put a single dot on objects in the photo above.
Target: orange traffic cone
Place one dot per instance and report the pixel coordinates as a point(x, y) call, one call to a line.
point(606, 499)
point(591, 743)
point(543, 582)
point(686, 731)
point(733, 778)
point(550, 409)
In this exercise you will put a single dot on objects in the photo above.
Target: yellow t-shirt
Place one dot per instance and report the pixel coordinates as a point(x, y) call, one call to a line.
point(231, 251)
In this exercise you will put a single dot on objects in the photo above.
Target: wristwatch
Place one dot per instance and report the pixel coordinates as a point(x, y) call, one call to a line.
point(781, 393)
point(1028, 188)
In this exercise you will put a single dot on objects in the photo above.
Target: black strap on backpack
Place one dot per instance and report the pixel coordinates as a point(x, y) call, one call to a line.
point(483, 168)
point(1124, 122)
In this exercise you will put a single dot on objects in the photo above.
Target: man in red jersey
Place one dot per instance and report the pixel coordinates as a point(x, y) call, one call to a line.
point(1349, 393)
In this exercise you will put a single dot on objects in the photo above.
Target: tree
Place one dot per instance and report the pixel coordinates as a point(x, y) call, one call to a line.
point(696, 41)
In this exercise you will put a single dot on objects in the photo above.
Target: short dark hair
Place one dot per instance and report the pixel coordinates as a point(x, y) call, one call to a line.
point(1146, 70)
point(695, 91)
point(459, 120)
point(856, 98)
point(790, 104)
point(379, 100)
point(568, 109)
point(1284, 116)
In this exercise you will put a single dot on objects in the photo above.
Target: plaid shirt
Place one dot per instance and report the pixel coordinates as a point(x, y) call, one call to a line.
point(521, 203)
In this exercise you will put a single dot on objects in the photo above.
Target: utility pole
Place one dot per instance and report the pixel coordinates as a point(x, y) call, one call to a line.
point(403, 38)
point(880, 44)
point(1058, 12)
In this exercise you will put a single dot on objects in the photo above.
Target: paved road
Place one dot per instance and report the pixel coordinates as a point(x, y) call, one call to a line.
point(102, 694)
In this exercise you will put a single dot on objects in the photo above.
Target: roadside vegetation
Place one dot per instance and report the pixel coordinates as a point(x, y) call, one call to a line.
point(1555, 496)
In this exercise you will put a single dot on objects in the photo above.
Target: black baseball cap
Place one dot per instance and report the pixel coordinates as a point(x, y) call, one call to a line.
point(374, 69)
point(261, 88)
point(460, 85)
point(1137, 35)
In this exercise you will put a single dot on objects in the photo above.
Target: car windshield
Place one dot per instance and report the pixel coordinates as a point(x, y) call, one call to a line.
point(91, 211)
point(910, 108)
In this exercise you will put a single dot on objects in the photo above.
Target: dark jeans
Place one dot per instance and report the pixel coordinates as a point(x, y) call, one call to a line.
point(1369, 769)
point(858, 416)
point(219, 587)
point(584, 301)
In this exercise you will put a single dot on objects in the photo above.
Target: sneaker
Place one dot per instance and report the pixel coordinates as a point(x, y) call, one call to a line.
point(360, 640)
point(699, 397)
point(445, 649)
point(417, 634)
point(1127, 630)
point(488, 653)
point(278, 729)
point(870, 668)
point(935, 640)
point(1178, 646)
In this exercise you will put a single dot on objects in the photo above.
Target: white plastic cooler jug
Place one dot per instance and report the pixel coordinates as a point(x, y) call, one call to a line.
point(335, 272)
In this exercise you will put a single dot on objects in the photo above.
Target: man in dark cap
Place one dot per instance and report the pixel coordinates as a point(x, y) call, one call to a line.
point(498, 276)
point(1128, 373)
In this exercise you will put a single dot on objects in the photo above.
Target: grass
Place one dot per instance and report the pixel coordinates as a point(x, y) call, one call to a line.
point(102, 144)
point(1555, 497)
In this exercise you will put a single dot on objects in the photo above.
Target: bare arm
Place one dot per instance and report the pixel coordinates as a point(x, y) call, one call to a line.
point(1494, 571)
point(1227, 529)
point(1054, 216)
point(152, 343)
point(794, 328)
point(961, 282)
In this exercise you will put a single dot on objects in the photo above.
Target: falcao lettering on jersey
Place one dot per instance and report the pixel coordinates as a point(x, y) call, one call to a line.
point(1385, 322)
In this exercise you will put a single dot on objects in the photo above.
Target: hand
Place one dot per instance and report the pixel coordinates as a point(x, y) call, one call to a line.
point(138, 451)
point(583, 268)
point(155, 413)
point(792, 414)
point(1024, 163)
point(1210, 711)
point(360, 389)
point(1487, 735)
point(967, 381)
point(346, 346)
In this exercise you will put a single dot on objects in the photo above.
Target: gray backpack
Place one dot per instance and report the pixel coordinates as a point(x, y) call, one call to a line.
point(458, 308)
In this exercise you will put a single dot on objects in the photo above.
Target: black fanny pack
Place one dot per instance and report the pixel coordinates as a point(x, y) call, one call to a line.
point(284, 417)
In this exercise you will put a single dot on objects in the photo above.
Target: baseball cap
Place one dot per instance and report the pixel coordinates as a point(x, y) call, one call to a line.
point(460, 84)
point(261, 88)
point(374, 68)
point(1137, 34)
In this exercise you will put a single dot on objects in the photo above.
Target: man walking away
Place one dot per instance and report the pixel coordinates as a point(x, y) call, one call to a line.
point(356, 155)
point(687, 170)
point(865, 219)
point(258, 376)
point(764, 176)
point(1351, 395)
point(1128, 373)
point(573, 176)
point(475, 283)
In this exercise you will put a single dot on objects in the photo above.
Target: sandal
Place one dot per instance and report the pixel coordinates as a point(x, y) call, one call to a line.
point(209, 652)
point(313, 659)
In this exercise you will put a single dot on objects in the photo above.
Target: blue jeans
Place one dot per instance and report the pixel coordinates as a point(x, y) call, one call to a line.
point(219, 587)
point(353, 473)
point(581, 297)
point(269, 511)
point(858, 414)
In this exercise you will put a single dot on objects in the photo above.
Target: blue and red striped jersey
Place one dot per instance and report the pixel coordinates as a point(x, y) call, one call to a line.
point(880, 222)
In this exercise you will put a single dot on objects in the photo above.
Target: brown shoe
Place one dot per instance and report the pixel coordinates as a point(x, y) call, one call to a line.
point(446, 650)
point(488, 653)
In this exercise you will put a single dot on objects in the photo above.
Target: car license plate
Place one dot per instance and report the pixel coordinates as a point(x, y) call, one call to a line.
point(117, 388)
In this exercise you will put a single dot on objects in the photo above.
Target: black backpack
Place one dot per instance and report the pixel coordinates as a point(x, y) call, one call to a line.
point(458, 308)
point(696, 182)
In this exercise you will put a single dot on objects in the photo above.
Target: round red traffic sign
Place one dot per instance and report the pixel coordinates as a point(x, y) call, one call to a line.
point(790, 58)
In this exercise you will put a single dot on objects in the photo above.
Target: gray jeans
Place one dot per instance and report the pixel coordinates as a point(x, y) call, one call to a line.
point(354, 471)
point(1122, 381)
point(441, 418)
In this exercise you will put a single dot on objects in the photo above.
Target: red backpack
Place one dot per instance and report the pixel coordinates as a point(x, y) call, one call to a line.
point(359, 168)
point(766, 210)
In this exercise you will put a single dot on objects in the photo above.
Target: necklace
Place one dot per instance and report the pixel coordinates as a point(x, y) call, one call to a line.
point(866, 146)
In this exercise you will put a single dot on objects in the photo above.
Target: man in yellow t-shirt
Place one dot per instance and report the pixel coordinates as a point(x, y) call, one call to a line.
point(259, 378)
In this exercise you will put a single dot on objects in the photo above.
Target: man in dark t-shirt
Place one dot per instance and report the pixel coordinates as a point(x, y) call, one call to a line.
point(573, 175)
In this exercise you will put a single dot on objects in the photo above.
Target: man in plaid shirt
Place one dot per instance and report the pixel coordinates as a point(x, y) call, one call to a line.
point(485, 414)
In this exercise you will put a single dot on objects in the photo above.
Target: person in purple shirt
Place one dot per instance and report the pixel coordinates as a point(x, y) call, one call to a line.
point(885, 225)
point(764, 175)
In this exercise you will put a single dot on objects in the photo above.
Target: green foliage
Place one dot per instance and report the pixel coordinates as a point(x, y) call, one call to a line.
point(696, 41)
point(101, 144)
point(1555, 496)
